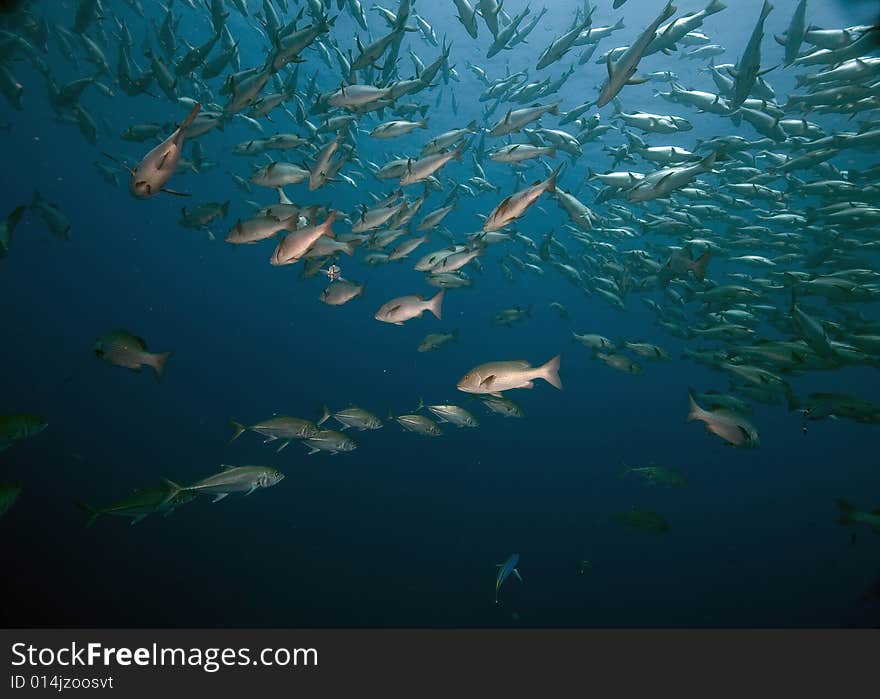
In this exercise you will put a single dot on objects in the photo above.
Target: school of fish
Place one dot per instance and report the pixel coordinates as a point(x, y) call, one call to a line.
point(650, 223)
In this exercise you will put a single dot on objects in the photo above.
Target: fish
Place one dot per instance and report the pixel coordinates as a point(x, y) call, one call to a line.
point(9, 493)
point(620, 362)
point(514, 206)
point(120, 348)
point(341, 291)
point(15, 427)
point(454, 414)
point(434, 341)
point(237, 479)
point(504, 570)
point(298, 242)
point(157, 167)
point(278, 427)
point(495, 377)
point(7, 227)
point(748, 69)
point(352, 416)
point(511, 315)
point(657, 474)
point(502, 406)
point(733, 428)
point(142, 503)
point(419, 424)
point(58, 223)
point(330, 441)
point(643, 520)
point(850, 515)
point(622, 72)
point(403, 308)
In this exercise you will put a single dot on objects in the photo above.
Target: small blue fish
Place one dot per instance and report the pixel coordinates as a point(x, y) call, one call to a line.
point(504, 571)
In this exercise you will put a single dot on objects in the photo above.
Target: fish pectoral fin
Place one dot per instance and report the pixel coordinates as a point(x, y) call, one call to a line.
point(174, 192)
point(162, 161)
point(637, 80)
point(516, 573)
point(219, 497)
point(253, 488)
point(283, 444)
point(488, 381)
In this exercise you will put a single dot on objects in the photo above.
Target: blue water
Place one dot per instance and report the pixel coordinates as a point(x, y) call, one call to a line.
point(406, 530)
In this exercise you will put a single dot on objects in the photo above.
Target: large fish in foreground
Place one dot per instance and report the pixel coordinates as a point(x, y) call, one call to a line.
point(157, 167)
point(495, 377)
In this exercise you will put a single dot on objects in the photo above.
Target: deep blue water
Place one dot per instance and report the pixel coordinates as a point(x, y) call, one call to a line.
point(406, 530)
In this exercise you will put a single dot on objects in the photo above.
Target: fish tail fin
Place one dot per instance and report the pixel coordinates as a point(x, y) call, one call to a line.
point(325, 415)
point(550, 372)
point(225, 208)
point(695, 410)
point(237, 429)
point(846, 511)
point(434, 305)
point(90, 512)
point(171, 485)
point(709, 161)
point(190, 118)
point(328, 222)
point(617, 108)
point(160, 360)
point(551, 181)
point(420, 406)
point(173, 491)
point(701, 264)
point(715, 6)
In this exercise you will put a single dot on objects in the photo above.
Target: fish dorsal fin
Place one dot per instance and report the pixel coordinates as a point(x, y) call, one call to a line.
point(226, 467)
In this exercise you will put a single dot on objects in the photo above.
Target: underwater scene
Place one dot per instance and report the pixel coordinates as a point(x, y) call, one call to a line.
point(341, 313)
